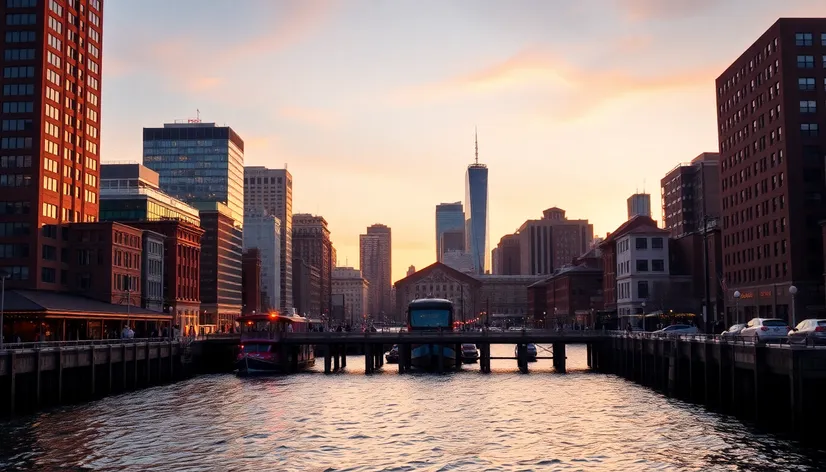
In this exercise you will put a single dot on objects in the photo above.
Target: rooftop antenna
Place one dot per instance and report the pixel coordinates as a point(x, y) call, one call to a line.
point(476, 141)
point(643, 185)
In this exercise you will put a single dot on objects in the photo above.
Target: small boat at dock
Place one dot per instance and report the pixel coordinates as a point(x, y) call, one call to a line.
point(261, 350)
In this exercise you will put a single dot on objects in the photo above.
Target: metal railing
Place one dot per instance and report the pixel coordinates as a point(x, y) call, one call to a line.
point(79, 343)
point(718, 338)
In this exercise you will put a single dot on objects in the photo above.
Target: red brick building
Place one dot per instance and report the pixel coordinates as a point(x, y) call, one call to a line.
point(251, 281)
point(105, 262)
point(50, 136)
point(572, 295)
point(182, 265)
point(507, 256)
point(770, 111)
point(690, 194)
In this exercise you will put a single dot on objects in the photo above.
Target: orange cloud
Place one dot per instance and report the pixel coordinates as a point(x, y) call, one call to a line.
point(574, 90)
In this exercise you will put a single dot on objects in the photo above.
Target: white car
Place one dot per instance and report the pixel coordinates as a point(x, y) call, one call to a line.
point(766, 329)
point(676, 330)
point(734, 331)
point(812, 331)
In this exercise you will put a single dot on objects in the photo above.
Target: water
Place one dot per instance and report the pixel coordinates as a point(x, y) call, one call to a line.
point(349, 421)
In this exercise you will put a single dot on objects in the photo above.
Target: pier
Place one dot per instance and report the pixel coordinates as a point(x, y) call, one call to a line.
point(35, 375)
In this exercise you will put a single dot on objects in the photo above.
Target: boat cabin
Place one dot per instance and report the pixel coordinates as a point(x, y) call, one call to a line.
point(270, 326)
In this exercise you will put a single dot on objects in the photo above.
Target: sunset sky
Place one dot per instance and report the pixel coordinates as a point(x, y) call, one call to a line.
point(373, 104)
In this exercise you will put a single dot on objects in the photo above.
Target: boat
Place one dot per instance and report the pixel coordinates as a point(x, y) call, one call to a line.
point(431, 315)
point(261, 350)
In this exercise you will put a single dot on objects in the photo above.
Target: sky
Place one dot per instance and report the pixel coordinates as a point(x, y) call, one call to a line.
point(372, 105)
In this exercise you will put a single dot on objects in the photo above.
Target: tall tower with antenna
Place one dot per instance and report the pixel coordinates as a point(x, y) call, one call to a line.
point(477, 225)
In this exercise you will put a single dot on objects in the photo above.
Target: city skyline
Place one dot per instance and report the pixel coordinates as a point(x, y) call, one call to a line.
point(382, 134)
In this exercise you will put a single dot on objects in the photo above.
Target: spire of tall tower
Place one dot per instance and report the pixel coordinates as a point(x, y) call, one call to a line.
point(476, 141)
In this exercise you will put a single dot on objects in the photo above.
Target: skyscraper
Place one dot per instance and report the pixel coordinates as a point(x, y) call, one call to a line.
point(272, 189)
point(50, 134)
point(375, 251)
point(691, 192)
point(203, 165)
point(262, 231)
point(769, 113)
point(639, 204)
point(477, 237)
point(449, 217)
point(312, 245)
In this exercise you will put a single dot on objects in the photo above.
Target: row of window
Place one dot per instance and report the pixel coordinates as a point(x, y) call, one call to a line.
point(807, 39)
point(16, 19)
point(756, 253)
point(19, 54)
point(624, 290)
point(808, 62)
point(20, 37)
point(757, 274)
point(15, 208)
point(21, 3)
point(15, 162)
point(14, 229)
point(16, 143)
point(18, 72)
point(657, 265)
point(18, 89)
point(15, 180)
point(17, 125)
point(748, 234)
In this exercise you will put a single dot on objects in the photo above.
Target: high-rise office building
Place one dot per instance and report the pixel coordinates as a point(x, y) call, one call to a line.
point(639, 204)
point(770, 111)
point(272, 189)
point(375, 251)
point(50, 135)
point(262, 231)
point(691, 194)
point(449, 217)
point(203, 165)
point(477, 228)
point(312, 244)
point(507, 256)
point(552, 242)
point(198, 162)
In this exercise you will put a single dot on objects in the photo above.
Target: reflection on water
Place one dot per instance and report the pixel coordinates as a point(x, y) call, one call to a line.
point(349, 421)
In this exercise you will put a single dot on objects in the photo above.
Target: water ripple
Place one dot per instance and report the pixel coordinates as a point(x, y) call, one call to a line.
point(463, 421)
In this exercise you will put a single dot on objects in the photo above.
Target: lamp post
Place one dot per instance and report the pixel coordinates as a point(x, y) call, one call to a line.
point(643, 316)
point(3, 277)
point(736, 306)
point(793, 292)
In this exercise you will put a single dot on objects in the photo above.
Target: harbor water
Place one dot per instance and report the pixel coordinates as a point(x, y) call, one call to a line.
point(348, 421)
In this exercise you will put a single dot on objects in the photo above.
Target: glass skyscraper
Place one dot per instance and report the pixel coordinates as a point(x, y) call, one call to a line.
point(449, 217)
point(198, 162)
point(477, 237)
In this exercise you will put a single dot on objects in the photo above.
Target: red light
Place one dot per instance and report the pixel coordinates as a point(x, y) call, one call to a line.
point(763, 328)
point(820, 329)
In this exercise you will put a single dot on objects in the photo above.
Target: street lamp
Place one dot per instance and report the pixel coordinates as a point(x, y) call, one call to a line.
point(3, 277)
point(793, 292)
point(736, 306)
point(643, 315)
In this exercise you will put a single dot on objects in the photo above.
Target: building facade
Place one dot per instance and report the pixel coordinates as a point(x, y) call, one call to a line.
point(263, 231)
point(131, 192)
point(691, 194)
point(552, 242)
point(152, 271)
point(643, 268)
point(252, 293)
point(639, 204)
point(349, 283)
point(106, 262)
point(770, 111)
point(449, 217)
point(272, 189)
point(507, 256)
point(198, 162)
point(221, 261)
point(572, 295)
point(49, 158)
point(307, 289)
point(375, 256)
point(182, 270)
point(312, 244)
point(477, 224)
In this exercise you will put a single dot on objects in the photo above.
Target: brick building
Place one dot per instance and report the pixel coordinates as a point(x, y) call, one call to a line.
point(770, 107)
point(312, 244)
point(691, 194)
point(572, 295)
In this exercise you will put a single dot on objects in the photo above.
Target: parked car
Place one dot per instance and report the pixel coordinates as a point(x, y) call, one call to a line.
point(470, 353)
point(676, 330)
point(734, 331)
point(392, 356)
point(531, 352)
point(766, 329)
point(811, 331)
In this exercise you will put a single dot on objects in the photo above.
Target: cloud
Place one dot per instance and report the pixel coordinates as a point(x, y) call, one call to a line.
point(641, 10)
point(573, 89)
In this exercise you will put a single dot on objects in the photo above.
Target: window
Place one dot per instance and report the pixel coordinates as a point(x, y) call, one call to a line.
point(808, 106)
point(48, 275)
point(642, 289)
point(657, 265)
point(12, 162)
point(642, 243)
point(58, 10)
point(21, 19)
point(806, 83)
point(18, 89)
point(55, 43)
point(642, 265)
point(17, 125)
point(15, 208)
point(656, 243)
point(18, 72)
point(21, 3)
point(823, 39)
point(49, 210)
point(803, 39)
point(20, 36)
point(808, 129)
point(805, 62)
point(19, 54)
point(16, 143)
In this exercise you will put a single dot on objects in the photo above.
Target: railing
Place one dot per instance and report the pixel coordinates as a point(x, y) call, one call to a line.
point(79, 343)
point(782, 343)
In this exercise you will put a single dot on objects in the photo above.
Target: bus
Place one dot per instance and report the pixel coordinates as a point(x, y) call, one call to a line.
point(434, 315)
